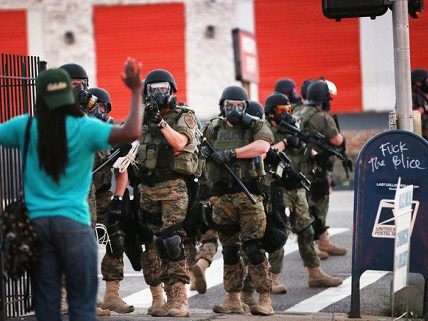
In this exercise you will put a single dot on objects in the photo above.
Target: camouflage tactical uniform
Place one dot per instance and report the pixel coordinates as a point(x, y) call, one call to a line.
point(163, 191)
point(296, 201)
point(314, 119)
point(111, 266)
point(232, 207)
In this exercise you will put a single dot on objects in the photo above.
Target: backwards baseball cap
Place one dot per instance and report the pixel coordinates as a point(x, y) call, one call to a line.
point(54, 86)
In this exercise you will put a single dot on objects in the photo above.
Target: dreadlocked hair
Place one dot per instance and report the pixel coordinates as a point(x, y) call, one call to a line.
point(52, 137)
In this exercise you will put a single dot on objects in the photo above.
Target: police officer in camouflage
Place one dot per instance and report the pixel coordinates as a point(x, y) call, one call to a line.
point(277, 108)
point(239, 145)
point(105, 200)
point(166, 159)
point(315, 117)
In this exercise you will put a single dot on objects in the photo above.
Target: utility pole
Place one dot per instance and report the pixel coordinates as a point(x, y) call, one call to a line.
point(400, 20)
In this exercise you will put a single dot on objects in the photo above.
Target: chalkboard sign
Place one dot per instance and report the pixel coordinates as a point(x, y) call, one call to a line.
point(384, 159)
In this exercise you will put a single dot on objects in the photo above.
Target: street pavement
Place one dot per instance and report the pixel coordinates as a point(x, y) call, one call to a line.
point(300, 299)
point(300, 303)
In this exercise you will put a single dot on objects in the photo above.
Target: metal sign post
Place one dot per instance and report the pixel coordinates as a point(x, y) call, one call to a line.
point(403, 90)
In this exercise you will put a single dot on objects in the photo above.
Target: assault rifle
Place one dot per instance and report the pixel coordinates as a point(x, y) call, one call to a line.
point(286, 165)
point(282, 168)
point(313, 138)
point(230, 171)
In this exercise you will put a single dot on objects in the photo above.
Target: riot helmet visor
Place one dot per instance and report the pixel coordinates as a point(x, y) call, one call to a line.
point(159, 88)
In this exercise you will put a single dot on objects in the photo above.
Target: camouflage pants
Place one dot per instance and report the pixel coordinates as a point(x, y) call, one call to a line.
point(300, 219)
point(237, 209)
point(321, 205)
point(208, 247)
point(151, 265)
point(168, 199)
point(275, 261)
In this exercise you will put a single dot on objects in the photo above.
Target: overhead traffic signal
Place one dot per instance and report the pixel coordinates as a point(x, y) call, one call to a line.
point(338, 9)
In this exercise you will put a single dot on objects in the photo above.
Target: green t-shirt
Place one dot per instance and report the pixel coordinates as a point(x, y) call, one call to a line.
point(68, 198)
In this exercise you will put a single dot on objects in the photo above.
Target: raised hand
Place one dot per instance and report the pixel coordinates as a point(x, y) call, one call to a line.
point(131, 74)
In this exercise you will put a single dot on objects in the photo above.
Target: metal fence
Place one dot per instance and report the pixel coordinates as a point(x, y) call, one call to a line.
point(17, 96)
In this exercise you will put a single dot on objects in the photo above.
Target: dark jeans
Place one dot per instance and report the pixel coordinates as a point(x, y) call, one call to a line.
point(68, 249)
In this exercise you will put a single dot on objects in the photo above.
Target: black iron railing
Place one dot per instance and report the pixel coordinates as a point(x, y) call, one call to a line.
point(17, 96)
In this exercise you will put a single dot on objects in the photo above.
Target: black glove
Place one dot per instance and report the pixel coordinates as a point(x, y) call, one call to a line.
point(205, 151)
point(293, 141)
point(272, 157)
point(223, 156)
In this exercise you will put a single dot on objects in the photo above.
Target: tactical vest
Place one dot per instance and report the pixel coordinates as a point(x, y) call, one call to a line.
point(102, 179)
point(303, 115)
point(226, 137)
point(156, 159)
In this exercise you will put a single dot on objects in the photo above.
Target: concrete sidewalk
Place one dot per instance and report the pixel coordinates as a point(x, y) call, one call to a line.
point(206, 315)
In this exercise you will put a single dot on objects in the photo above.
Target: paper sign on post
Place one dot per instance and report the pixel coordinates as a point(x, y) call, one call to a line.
point(402, 214)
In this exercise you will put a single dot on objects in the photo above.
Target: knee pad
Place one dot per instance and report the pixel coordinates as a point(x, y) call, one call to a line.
point(231, 255)
point(307, 234)
point(318, 226)
point(170, 247)
point(254, 252)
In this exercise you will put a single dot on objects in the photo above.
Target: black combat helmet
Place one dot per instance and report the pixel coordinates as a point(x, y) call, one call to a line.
point(319, 94)
point(287, 87)
point(255, 109)
point(274, 100)
point(304, 88)
point(75, 71)
point(233, 93)
point(160, 75)
point(103, 97)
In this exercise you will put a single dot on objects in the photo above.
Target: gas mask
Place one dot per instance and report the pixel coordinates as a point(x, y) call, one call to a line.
point(160, 94)
point(280, 111)
point(100, 111)
point(234, 110)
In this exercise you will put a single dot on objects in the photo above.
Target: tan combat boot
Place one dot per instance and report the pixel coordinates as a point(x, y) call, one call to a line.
point(198, 270)
point(319, 279)
point(163, 310)
point(325, 245)
point(277, 286)
point(231, 304)
point(265, 305)
point(100, 312)
point(158, 299)
point(247, 298)
point(178, 307)
point(321, 254)
point(112, 300)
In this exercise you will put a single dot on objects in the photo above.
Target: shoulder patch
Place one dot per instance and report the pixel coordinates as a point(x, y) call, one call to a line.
point(190, 121)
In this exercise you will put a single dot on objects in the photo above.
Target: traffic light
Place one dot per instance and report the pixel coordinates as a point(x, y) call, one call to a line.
point(338, 9)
